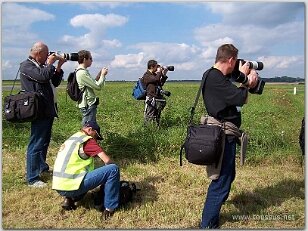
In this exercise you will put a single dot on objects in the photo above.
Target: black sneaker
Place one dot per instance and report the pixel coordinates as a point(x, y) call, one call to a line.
point(107, 214)
point(46, 175)
point(68, 204)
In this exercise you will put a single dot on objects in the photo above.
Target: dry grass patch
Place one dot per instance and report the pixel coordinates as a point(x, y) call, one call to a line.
point(171, 197)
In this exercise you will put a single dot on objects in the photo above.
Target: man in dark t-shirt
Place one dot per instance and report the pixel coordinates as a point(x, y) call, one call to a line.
point(223, 100)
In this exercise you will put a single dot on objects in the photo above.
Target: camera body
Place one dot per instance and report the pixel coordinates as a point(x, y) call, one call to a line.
point(162, 92)
point(67, 56)
point(241, 78)
point(159, 90)
point(166, 93)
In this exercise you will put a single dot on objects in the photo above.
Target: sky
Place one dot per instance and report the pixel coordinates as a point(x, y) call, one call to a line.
point(123, 36)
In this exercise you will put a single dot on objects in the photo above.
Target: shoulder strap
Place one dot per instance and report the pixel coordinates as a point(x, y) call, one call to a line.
point(79, 69)
point(192, 111)
point(76, 78)
point(14, 81)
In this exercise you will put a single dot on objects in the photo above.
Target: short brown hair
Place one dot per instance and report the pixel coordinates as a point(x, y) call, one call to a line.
point(225, 52)
point(152, 63)
point(83, 54)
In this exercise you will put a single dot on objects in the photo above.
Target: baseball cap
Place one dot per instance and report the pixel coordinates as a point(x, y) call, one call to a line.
point(94, 126)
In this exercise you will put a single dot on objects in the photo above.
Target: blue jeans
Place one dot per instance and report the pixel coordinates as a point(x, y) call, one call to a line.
point(88, 113)
point(108, 176)
point(219, 189)
point(37, 148)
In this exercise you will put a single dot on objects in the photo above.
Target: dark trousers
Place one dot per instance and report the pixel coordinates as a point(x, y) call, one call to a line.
point(219, 189)
point(37, 148)
point(153, 109)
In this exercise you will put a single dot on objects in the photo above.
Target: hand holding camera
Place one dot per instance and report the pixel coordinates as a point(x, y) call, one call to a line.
point(244, 67)
point(253, 79)
point(164, 72)
point(102, 72)
point(51, 59)
point(239, 75)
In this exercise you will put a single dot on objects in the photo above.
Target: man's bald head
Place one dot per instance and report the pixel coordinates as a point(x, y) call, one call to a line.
point(37, 47)
point(39, 52)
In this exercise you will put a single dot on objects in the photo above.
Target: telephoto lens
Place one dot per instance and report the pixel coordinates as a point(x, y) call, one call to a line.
point(170, 68)
point(72, 56)
point(255, 65)
point(252, 64)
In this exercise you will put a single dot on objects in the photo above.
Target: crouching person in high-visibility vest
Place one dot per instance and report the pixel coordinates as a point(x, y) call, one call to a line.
point(74, 174)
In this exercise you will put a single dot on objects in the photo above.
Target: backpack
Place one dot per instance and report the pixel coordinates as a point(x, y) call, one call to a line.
point(72, 87)
point(139, 91)
point(126, 194)
point(127, 191)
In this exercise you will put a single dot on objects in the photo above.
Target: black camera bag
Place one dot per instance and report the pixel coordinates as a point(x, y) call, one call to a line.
point(127, 191)
point(203, 142)
point(24, 106)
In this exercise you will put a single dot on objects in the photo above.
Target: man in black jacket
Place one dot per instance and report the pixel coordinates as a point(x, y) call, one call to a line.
point(223, 100)
point(154, 78)
point(37, 73)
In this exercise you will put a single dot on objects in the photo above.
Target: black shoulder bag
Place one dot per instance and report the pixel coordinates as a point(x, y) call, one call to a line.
point(22, 107)
point(203, 142)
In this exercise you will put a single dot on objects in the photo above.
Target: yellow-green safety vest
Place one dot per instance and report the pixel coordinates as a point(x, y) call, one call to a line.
point(71, 163)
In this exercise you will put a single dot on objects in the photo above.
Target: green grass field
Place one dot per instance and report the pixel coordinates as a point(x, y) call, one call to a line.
point(268, 191)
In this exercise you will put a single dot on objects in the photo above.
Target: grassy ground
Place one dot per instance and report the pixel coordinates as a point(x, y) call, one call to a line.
point(268, 191)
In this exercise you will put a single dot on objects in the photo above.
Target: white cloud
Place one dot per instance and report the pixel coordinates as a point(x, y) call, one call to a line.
point(186, 66)
point(281, 62)
point(167, 53)
point(98, 21)
point(128, 61)
point(86, 41)
point(184, 57)
point(19, 18)
point(256, 13)
point(94, 5)
point(249, 40)
point(97, 24)
point(111, 43)
point(257, 30)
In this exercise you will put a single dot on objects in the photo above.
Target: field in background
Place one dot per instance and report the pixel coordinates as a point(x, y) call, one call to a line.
point(267, 193)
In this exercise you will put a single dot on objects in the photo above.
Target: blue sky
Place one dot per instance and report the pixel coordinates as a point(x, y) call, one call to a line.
point(124, 35)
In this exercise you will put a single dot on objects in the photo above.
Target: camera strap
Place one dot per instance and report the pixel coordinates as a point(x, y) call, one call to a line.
point(14, 81)
point(192, 111)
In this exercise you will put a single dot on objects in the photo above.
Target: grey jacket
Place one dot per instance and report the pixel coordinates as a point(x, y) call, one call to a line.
point(229, 128)
point(35, 77)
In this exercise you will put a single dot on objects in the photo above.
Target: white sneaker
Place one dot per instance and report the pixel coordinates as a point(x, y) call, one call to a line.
point(38, 184)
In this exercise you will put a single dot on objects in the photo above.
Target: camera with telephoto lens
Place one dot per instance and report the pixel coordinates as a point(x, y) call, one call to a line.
point(67, 56)
point(241, 78)
point(169, 68)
